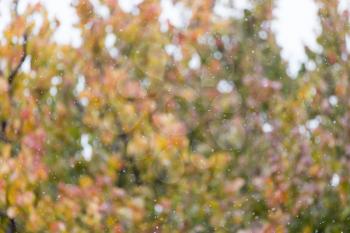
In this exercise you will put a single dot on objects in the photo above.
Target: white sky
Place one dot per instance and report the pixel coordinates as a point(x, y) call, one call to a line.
point(295, 24)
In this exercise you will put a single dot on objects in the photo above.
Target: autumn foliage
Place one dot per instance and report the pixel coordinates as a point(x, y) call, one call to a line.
point(147, 126)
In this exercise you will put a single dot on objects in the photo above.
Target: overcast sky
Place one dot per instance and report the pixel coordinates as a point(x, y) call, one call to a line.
point(295, 25)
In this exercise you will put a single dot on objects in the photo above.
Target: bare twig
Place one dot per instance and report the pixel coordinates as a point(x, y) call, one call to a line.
point(15, 7)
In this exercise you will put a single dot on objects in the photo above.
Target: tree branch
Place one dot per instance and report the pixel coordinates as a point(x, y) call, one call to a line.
point(19, 65)
point(10, 81)
point(3, 138)
point(11, 227)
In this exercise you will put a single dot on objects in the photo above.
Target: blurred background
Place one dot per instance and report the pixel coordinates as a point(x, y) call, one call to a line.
point(174, 116)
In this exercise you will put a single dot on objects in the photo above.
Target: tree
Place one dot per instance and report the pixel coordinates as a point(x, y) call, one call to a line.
point(149, 126)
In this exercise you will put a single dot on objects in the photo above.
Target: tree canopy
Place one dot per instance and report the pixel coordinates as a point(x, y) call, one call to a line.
point(148, 126)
